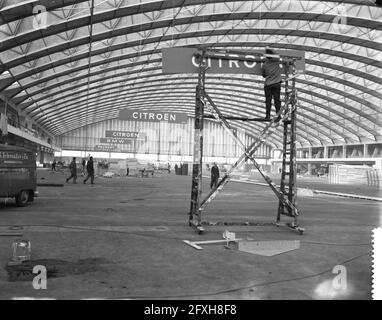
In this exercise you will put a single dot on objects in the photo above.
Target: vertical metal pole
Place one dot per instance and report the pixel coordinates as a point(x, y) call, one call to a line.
point(6, 107)
point(292, 137)
point(283, 170)
point(281, 207)
point(4, 139)
point(289, 154)
point(135, 143)
point(159, 142)
point(196, 189)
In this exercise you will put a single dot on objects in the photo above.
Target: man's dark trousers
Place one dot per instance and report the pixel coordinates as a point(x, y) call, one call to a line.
point(214, 181)
point(272, 91)
point(91, 176)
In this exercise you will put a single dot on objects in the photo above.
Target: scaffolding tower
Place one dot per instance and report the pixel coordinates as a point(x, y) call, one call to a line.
point(287, 192)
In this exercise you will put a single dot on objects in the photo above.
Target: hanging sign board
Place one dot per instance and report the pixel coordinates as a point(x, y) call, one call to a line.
point(124, 134)
point(105, 148)
point(182, 60)
point(114, 141)
point(152, 116)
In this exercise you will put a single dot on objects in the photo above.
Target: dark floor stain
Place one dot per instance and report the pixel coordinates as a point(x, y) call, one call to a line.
point(55, 268)
point(161, 228)
point(16, 228)
point(236, 223)
point(136, 199)
point(50, 184)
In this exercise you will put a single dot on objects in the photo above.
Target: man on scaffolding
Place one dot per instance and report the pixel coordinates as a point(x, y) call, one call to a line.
point(271, 71)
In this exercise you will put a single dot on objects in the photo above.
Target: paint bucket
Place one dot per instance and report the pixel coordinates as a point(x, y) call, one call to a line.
point(21, 250)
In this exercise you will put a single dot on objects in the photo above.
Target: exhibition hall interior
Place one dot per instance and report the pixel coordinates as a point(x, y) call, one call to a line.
point(189, 149)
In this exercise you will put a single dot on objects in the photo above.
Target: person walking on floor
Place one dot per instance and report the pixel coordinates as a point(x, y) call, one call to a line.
point(73, 171)
point(83, 166)
point(90, 170)
point(271, 71)
point(214, 175)
point(54, 165)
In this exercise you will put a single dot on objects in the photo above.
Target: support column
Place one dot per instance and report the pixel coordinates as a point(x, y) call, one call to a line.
point(365, 151)
point(196, 189)
point(344, 151)
point(326, 152)
point(354, 152)
point(310, 153)
point(195, 218)
point(4, 123)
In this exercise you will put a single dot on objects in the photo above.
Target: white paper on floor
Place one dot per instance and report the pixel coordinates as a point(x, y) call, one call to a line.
point(268, 248)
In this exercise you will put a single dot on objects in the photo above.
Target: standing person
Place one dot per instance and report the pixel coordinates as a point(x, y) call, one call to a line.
point(73, 171)
point(83, 166)
point(272, 87)
point(54, 165)
point(214, 175)
point(90, 170)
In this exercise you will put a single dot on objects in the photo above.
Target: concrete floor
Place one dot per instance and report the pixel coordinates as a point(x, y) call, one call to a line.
point(131, 231)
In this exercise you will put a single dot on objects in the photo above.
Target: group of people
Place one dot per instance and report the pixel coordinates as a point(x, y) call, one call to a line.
point(89, 169)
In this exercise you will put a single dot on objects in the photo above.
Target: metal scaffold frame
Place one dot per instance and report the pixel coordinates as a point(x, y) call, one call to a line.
point(287, 192)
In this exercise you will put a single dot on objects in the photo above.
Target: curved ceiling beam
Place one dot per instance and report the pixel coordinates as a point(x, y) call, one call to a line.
point(249, 87)
point(122, 67)
point(157, 60)
point(307, 34)
point(98, 17)
point(102, 90)
point(24, 10)
point(343, 69)
point(350, 96)
point(189, 21)
point(262, 44)
point(334, 53)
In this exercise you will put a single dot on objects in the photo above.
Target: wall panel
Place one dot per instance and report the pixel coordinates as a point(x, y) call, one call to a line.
point(160, 138)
